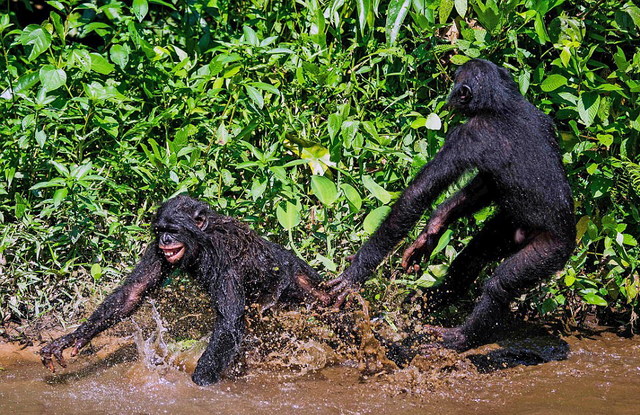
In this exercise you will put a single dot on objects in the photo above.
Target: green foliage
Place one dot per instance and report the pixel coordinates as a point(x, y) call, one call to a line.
point(306, 117)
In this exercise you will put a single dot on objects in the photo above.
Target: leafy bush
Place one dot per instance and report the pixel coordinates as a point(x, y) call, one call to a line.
point(302, 117)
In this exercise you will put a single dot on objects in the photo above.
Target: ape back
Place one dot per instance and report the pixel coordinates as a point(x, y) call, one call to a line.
point(513, 145)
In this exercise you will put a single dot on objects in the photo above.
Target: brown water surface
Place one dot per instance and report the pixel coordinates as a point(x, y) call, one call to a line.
point(599, 374)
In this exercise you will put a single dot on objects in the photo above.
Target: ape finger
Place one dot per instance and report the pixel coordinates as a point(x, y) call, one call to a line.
point(48, 363)
point(57, 353)
point(307, 286)
point(342, 286)
point(341, 298)
point(410, 258)
point(334, 281)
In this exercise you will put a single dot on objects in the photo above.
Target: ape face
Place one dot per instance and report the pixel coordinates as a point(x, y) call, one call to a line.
point(179, 227)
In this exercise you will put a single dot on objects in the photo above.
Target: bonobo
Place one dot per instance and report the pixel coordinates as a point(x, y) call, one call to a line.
point(513, 147)
point(227, 258)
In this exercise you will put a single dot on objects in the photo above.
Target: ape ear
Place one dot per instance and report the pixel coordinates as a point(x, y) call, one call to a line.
point(465, 94)
point(201, 220)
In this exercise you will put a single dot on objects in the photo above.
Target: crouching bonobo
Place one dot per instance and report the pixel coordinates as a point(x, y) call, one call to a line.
point(227, 258)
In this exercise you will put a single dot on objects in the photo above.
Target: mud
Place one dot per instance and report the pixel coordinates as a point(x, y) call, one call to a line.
point(305, 362)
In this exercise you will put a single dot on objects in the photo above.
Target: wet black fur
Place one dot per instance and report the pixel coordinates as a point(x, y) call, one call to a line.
point(228, 259)
point(513, 147)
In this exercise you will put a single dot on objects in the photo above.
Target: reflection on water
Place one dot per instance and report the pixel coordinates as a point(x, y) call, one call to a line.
point(599, 374)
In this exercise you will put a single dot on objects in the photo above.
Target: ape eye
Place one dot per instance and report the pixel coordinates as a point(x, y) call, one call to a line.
point(465, 93)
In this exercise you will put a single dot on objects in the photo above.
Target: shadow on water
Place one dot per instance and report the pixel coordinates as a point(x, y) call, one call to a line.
point(528, 345)
point(124, 354)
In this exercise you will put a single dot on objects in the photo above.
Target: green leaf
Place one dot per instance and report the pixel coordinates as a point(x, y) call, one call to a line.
point(96, 271)
point(52, 78)
point(327, 263)
point(334, 124)
point(140, 9)
point(288, 217)
point(363, 8)
point(353, 197)
point(461, 7)
point(565, 56)
point(80, 58)
point(375, 218)
point(540, 28)
point(553, 82)
point(524, 80)
point(26, 82)
point(222, 136)
point(588, 105)
point(442, 242)
point(396, 13)
point(255, 95)
point(250, 36)
point(594, 299)
point(324, 189)
point(581, 227)
point(266, 87)
point(100, 64)
point(569, 279)
point(257, 189)
point(459, 59)
point(41, 138)
point(38, 38)
point(119, 55)
point(419, 122)
point(59, 196)
point(376, 190)
point(61, 168)
point(446, 6)
point(349, 131)
point(57, 182)
point(20, 206)
point(634, 13)
point(628, 239)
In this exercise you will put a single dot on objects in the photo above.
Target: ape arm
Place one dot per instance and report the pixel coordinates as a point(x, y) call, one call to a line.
point(229, 302)
point(471, 198)
point(118, 305)
point(445, 167)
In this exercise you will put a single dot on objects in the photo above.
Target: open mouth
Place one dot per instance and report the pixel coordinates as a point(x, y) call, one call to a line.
point(172, 253)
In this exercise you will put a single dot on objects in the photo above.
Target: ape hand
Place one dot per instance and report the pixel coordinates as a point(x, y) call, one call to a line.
point(53, 350)
point(419, 249)
point(341, 288)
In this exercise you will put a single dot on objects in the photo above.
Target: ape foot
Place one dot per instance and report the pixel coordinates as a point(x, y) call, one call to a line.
point(451, 338)
point(202, 378)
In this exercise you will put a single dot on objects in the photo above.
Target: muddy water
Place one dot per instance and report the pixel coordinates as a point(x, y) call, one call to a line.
point(599, 374)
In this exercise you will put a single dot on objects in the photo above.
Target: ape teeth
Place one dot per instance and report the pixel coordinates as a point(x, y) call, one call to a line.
point(173, 254)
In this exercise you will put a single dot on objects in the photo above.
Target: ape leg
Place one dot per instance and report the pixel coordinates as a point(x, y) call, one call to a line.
point(229, 301)
point(542, 255)
point(495, 241)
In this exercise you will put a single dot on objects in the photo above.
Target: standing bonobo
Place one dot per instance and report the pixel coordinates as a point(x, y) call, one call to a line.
point(512, 145)
point(227, 258)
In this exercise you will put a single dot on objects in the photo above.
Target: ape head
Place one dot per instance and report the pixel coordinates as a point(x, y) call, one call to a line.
point(180, 226)
point(482, 86)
